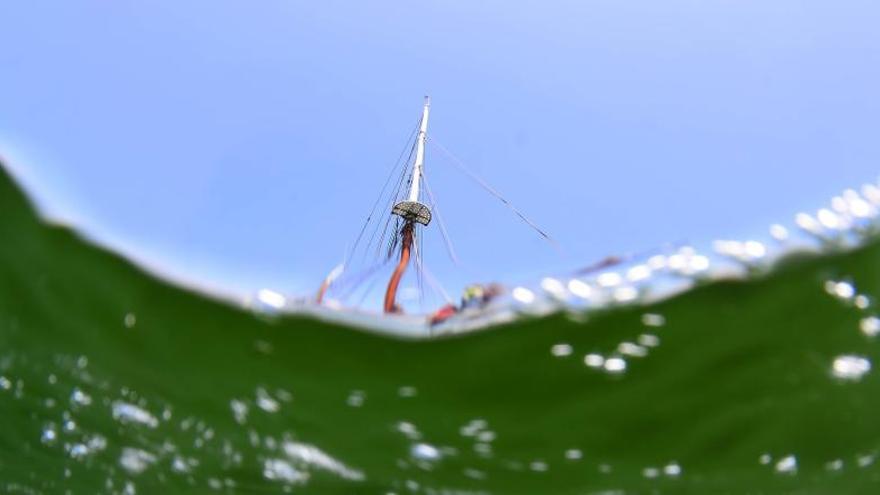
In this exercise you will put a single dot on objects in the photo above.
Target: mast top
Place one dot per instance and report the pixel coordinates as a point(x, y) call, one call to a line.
point(412, 209)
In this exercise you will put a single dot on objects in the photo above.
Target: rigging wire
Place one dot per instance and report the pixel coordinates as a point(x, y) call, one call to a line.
point(397, 165)
point(391, 199)
point(349, 286)
point(461, 166)
point(435, 284)
point(446, 239)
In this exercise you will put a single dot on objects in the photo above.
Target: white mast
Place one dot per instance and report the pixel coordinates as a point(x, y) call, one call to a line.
point(411, 209)
point(420, 153)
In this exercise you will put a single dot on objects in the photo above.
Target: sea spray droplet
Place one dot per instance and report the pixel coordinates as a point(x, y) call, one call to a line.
point(625, 294)
point(523, 295)
point(779, 232)
point(553, 287)
point(609, 279)
point(580, 288)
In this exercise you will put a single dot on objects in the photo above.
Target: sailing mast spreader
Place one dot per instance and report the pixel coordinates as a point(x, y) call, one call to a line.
point(411, 211)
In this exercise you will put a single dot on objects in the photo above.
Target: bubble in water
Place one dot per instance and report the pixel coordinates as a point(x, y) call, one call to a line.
point(130, 320)
point(409, 430)
point(239, 411)
point(594, 360)
point(649, 340)
point(561, 350)
point(865, 460)
point(425, 452)
point(573, 454)
point(407, 391)
point(615, 365)
point(311, 455)
point(870, 326)
point(653, 320)
point(136, 461)
point(48, 436)
point(630, 349)
point(473, 427)
point(5, 384)
point(130, 413)
point(486, 436)
point(181, 465)
point(80, 398)
point(356, 398)
point(475, 474)
point(538, 466)
point(834, 465)
point(841, 290)
point(672, 469)
point(78, 451)
point(787, 465)
point(650, 472)
point(266, 402)
point(848, 367)
point(281, 470)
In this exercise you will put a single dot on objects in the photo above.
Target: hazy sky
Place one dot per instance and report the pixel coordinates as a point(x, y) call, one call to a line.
point(245, 142)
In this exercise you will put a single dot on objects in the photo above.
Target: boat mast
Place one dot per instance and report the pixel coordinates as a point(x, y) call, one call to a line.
point(420, 153)
point(412, 212)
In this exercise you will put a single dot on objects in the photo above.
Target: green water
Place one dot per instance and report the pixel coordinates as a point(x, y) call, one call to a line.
point(114, 382)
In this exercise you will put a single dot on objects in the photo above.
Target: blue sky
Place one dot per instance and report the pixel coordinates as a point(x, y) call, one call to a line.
point(243, 143)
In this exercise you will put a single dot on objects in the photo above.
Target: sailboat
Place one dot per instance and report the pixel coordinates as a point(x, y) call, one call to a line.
point(408, 216)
